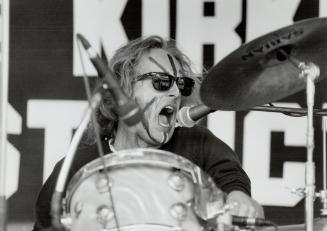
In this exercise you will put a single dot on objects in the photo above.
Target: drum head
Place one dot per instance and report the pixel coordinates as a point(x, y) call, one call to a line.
point(141, 189)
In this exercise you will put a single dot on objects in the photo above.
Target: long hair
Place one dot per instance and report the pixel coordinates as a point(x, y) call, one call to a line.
point(123, 65)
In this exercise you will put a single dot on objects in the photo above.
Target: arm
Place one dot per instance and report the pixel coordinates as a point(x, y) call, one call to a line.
point(244, 205)
point(224, 167)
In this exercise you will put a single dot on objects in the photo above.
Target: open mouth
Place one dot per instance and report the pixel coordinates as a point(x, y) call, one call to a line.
point(166, 116)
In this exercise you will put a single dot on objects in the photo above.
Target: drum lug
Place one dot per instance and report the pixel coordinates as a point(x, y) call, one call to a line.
point(103, 183)
point(78, 207)
point(179, 211)
point(66, 220)
point(104, 215)
point(177, 181)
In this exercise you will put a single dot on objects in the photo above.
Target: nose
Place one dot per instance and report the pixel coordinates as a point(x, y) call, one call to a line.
point(174, 90)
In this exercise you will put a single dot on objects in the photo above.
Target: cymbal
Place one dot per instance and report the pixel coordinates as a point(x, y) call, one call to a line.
point(260, 71)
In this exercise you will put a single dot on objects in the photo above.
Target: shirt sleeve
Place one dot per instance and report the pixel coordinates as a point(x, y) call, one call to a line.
point(212, 155)
point(223, 165)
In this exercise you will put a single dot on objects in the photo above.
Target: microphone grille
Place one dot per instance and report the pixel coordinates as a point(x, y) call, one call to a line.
point(183, 117)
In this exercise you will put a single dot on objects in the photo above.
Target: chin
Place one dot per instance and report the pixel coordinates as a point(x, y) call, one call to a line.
point(158, 134)
point(163, 136)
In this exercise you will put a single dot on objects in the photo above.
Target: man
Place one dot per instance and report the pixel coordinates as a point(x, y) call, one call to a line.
point(155, 73)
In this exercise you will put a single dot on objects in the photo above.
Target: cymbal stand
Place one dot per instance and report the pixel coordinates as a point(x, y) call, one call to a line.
point(310, 71)
point(323, 193)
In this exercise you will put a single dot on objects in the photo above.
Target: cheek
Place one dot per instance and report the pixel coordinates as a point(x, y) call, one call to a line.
point(142, 92)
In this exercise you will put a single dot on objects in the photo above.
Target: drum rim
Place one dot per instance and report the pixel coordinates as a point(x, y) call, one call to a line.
point(147, 225)
point(197, 174)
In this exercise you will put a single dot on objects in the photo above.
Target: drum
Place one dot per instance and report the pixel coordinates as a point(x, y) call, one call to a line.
point(141, 189)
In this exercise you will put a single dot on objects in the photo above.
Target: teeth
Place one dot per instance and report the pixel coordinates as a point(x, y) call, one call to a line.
point(169, 109)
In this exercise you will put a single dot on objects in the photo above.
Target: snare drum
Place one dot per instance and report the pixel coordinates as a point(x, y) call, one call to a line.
point(141, 189)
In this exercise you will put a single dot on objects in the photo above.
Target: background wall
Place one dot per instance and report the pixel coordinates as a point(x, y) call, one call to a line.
point(46, 92)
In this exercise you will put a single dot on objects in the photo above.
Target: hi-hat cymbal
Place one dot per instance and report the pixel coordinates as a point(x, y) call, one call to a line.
point(258, 72)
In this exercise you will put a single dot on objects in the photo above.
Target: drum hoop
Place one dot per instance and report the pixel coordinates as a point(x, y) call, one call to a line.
point(143, 226)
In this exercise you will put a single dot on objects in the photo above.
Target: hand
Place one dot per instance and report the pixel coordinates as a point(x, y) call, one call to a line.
point(244, 205)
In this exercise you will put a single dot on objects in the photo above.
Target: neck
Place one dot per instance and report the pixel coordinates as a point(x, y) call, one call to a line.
point(127, 138)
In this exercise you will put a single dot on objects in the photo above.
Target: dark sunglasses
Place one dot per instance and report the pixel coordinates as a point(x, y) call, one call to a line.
point(163, 82)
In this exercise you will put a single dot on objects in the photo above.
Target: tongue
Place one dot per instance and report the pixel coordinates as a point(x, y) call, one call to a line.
point(163, 119)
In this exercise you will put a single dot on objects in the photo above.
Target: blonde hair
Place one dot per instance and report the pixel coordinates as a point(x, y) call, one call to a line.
point(123, 65)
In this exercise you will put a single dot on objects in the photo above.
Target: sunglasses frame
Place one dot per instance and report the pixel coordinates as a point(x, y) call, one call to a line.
point(172, 79)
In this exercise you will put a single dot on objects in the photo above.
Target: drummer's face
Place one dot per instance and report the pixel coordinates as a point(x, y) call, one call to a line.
point(160, 117)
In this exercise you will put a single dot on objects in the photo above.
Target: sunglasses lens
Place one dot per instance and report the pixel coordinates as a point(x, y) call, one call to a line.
point(185, 85)
point(162, 82)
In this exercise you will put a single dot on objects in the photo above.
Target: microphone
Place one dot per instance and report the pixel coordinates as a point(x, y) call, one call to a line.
point(187, 116)
point(247, 221)
point(126, 109)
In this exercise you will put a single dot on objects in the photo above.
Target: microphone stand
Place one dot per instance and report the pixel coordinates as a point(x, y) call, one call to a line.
point(290, 111)
point(3, 109)
point(62, 178)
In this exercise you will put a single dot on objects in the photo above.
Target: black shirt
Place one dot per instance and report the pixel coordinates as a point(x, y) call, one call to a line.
point(197, 144)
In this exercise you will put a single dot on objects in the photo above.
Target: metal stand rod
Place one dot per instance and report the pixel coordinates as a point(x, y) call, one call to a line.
point(3, 108)
point(289, 111)
point(324, 152)
point(63, 174)
point(3, 213)
point(311, 72)
point(323, 193)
